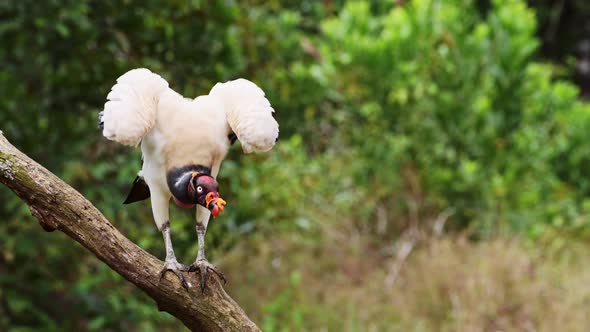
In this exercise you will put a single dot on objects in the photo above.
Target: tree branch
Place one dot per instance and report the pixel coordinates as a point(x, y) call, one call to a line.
point(58, 206)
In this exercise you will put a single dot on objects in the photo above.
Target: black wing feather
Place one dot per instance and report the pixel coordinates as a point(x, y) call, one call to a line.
point(139, 191)
point(100, 121)
point(232, 138)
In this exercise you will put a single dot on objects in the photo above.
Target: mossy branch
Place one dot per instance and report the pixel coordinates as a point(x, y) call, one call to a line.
point(58, 206)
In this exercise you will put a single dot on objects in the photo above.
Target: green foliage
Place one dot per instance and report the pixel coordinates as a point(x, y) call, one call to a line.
point(284, 312)
point(432, 89)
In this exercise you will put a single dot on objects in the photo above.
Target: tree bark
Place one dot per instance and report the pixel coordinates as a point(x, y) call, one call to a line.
point(58, 206)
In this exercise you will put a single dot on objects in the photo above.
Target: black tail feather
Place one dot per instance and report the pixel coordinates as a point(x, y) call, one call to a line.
point(100, 121)
point(139, 191)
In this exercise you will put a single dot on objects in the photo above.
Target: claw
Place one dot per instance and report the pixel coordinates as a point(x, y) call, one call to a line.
point(175, 268)
point(203, 279)
point(204, 266)
point(222, 276)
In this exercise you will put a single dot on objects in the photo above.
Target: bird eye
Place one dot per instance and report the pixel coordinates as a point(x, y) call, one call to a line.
point(200, 189)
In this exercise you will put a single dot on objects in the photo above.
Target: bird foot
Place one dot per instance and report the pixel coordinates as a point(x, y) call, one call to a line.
point(176, 268)
point(204, 267)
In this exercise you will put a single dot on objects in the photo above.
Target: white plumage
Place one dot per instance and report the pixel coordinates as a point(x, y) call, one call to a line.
point(178, 133)
point(135, 101)
point(258, 130)
point(131, 110)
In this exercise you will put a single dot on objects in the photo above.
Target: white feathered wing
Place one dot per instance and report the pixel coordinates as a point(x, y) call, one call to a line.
point(130, 111)
point(249, 114)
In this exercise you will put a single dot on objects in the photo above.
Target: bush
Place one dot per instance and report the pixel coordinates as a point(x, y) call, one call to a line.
point(440, 109)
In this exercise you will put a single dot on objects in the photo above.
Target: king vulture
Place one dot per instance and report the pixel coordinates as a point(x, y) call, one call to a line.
point(183, 142)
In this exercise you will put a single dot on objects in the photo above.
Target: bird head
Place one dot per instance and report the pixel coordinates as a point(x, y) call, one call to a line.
point(205, 189)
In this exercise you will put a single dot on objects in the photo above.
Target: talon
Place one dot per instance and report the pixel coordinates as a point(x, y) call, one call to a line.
point(224, 279)
point(203, 279)
point(176, 268)
point(204, 266)
point(185, 284)
point(182, 280)
point(221, 276)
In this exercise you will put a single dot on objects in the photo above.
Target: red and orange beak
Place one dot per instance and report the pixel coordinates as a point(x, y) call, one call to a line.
point(215, 203)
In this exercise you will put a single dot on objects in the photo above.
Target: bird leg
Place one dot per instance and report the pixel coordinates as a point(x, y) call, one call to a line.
point(171, 263)
point(201, 262)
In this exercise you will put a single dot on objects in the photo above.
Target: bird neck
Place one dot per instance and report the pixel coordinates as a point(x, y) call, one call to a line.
point(178, 180)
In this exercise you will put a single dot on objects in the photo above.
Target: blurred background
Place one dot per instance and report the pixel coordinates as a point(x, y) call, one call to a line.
point(432, 172)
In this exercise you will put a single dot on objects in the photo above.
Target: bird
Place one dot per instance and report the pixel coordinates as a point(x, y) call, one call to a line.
point(183, 143)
